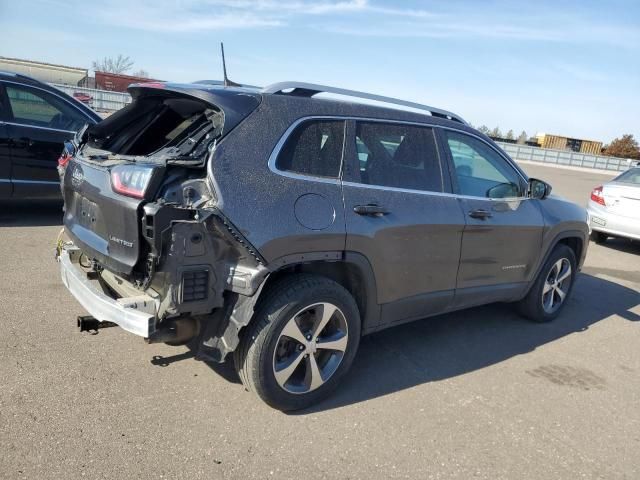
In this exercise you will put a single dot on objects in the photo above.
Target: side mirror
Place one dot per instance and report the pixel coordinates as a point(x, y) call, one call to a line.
point(538, 189)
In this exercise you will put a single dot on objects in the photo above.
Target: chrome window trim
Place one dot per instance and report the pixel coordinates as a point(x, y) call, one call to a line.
point(38, 126)
point(38, 182)
point(288, 131)
point(65, 100)
point(432, 193)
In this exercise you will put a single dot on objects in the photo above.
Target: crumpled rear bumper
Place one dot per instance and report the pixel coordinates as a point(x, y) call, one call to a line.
point(136, 315)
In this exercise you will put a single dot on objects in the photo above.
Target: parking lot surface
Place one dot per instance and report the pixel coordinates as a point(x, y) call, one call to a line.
point(475, 394)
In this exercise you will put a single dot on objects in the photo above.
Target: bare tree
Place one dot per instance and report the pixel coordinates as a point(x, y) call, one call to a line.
point(484, 129)
point(495, 133)
point(120, 64)
point(509, 135)
point(142, 73)
point(522, 139)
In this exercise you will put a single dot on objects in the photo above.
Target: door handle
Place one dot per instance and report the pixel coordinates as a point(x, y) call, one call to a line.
point(24, 142)
point(373, 210)
point(480, 213)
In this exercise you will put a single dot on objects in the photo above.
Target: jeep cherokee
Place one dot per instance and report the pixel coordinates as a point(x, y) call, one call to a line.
point(280, 227)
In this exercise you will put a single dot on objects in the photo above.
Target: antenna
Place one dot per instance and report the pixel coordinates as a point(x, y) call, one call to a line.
point(227, 82)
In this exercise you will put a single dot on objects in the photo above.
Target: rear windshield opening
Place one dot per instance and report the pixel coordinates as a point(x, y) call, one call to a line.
point(152, 123)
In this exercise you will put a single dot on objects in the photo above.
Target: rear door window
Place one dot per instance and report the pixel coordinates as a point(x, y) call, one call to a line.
point(33, 107)
point(398, 156)
point(314, 148)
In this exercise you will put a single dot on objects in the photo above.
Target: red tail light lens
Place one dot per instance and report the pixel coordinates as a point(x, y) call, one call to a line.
point(597, 196)
point(68, 152)
point(64, 159)
point(131, 180)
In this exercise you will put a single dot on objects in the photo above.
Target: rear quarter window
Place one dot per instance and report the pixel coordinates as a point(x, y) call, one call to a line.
point(313, 148)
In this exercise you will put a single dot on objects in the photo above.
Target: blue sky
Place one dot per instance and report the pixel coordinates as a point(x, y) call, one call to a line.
point(564, 67)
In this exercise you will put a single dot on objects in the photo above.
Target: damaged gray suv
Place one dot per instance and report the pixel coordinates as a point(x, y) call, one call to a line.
point(280, 227)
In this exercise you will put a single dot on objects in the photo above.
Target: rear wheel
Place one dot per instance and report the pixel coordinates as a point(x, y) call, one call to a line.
point(552, 288)
point(300, 343)
point(598, 237)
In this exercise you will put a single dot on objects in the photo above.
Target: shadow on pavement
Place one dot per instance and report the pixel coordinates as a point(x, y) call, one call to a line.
point(450, 345)
point(457, 343)
point(226, 370)
point(30, 214)
point(162, 361)
point(623, 245)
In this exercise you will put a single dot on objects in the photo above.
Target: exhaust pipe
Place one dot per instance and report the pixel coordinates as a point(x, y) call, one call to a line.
point(176, 332)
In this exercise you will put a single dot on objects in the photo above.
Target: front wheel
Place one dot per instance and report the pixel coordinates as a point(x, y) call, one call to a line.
point(300, 342)
point(552, 287)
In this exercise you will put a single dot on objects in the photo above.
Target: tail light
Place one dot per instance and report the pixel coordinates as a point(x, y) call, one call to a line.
point(597, 196)
point(64, 159)
point(68, 152)
point(131, 180)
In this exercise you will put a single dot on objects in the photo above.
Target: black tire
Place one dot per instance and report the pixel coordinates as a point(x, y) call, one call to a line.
point(531, 306)
point(255, 357)
point(598, 237)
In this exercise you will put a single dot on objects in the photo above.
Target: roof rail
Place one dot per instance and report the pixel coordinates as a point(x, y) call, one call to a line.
point(301, 89)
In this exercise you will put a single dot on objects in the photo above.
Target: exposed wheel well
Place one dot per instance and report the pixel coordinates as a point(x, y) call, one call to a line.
point(346, 274)
point(575, 244)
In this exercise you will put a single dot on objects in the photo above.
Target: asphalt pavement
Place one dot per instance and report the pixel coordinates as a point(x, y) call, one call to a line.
point(476, 394)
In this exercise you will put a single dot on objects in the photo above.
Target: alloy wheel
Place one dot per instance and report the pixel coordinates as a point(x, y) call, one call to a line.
point(556, 285)
point(310, 348)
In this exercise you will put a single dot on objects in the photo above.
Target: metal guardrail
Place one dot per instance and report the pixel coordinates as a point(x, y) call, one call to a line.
point(100, 100)
point(565, 157)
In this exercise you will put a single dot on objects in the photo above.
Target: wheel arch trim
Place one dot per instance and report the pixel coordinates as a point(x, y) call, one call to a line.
point(329, 264)
point(563, 235)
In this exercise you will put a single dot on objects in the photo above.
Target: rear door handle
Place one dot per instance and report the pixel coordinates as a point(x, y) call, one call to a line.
point(480, 213)
point(374, 210)
point(23, 142)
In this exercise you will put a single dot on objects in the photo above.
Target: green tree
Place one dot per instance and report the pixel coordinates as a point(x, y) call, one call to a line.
point(522, 138)
point(120, 64)
point(624, 147)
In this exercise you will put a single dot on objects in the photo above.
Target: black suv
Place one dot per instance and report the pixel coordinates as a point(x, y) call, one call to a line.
point(35, 120)
point(282, 227)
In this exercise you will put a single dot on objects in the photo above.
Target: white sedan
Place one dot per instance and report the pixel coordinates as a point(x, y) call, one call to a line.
point(614, 207)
